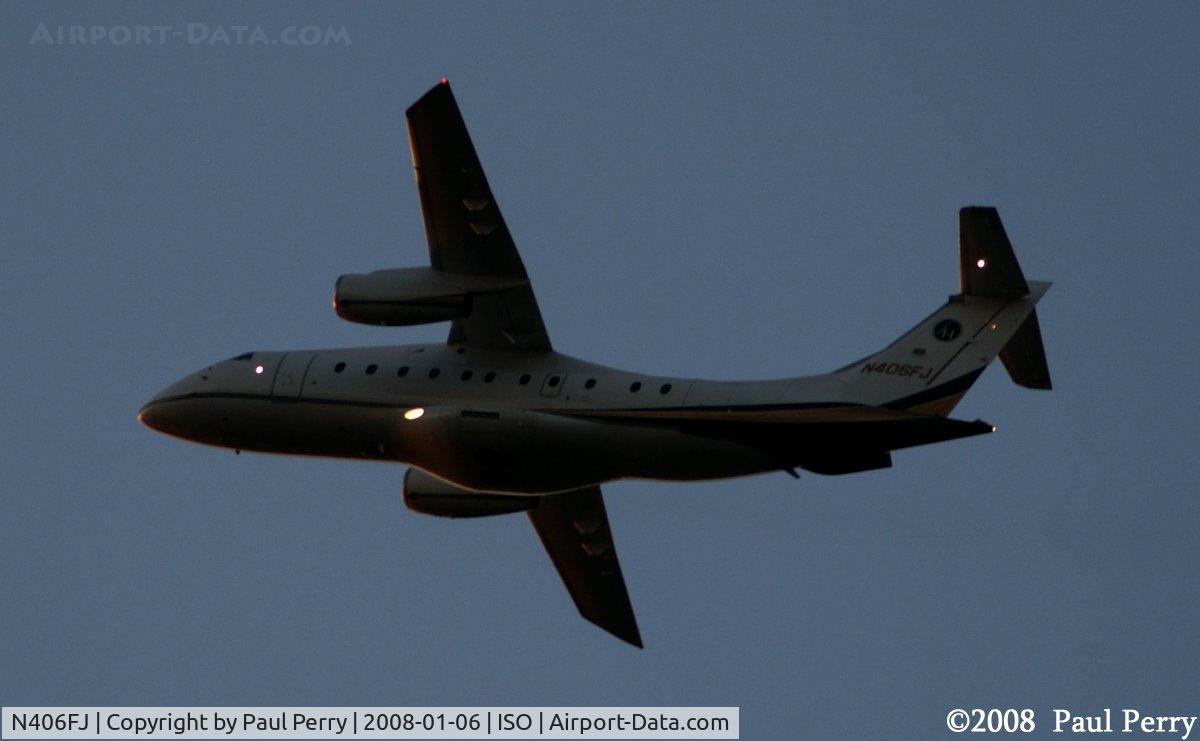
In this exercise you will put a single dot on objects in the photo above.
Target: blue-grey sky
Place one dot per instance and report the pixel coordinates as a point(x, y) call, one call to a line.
point(721, 190)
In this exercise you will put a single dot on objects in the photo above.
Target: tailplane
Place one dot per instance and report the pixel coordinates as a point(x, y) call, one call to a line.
point(930, 368)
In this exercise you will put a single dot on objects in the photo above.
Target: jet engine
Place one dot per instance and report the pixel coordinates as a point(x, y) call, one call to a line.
point(406, 296)
point(431, 496)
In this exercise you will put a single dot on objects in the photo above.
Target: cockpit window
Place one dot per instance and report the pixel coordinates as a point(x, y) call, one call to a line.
point(244, 356)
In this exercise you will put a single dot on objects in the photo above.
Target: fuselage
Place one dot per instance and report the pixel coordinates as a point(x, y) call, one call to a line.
point(490, 421)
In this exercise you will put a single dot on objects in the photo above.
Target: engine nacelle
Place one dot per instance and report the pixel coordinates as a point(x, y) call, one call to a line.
point(406, 296)
point(432, 496)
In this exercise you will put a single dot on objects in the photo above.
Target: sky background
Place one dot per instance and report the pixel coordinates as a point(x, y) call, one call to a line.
point(716, 190)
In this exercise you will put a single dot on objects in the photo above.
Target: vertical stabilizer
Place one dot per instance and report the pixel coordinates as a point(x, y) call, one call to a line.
point(930, 368)
point(986, 263)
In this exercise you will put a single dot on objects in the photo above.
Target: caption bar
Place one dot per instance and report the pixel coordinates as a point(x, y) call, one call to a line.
point(371, 723)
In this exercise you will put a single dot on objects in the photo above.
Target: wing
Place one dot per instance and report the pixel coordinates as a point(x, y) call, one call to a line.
point(574, 528)
point(465, 229)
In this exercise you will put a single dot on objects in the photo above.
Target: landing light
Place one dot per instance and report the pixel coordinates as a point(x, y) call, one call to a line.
point(258, 369)
point(414, 413)
point(981, 263)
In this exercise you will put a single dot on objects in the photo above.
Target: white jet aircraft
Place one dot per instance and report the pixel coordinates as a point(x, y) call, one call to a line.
point(494, 421)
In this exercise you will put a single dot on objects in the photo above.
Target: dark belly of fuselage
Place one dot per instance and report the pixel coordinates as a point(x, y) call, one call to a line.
point(488, 449)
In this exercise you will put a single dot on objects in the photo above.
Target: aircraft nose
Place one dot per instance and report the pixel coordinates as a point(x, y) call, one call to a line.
point(154, 415)
point(161, 412)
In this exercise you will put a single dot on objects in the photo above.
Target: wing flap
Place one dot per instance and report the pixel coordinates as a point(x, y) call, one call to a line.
point(574, 529)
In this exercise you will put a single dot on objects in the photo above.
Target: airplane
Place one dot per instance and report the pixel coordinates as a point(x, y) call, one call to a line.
point(494, 421)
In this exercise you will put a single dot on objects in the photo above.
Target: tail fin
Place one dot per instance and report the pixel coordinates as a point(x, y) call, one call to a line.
point(930, 368)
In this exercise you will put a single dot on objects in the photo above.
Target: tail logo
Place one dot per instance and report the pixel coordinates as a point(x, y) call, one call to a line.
point(946, 330)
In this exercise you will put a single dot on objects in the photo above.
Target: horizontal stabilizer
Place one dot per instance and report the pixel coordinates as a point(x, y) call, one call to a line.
point(1024, 356)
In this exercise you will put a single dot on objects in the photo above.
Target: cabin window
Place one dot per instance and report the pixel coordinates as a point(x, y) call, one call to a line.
point(371, 369)
point(591, 384)
point(554, 381)
point(524, 379)
point(339, 367)
point(435, 372)
point(666, 389)
point(491, 376)
point(635, 387)
point(402, 372)
point(466, 375)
